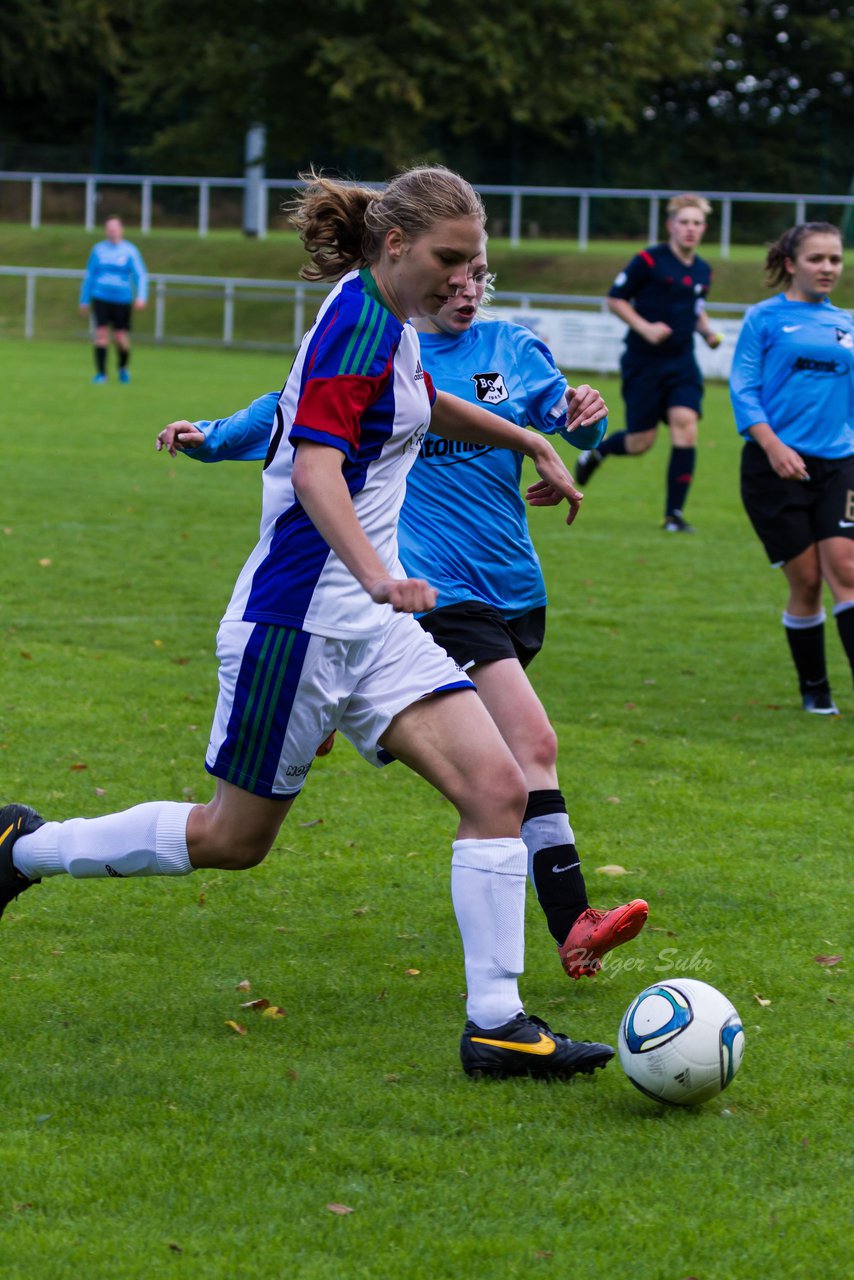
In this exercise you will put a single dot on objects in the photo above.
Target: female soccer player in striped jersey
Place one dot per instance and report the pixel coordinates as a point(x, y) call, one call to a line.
point(319, 634)
point(792, 388)
point(463, 524)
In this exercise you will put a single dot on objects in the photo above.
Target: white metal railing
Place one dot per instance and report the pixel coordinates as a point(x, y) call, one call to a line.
point(227, 291)
point(726, 200)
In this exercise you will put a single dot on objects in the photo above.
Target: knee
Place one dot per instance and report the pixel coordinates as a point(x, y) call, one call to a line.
point(640, 442)
point(540, 749)
point(213, 843)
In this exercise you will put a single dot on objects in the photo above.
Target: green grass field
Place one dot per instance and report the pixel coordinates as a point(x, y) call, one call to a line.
point(143, 1138)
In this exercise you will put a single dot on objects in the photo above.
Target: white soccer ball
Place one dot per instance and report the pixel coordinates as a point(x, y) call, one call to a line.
point(680, 1041)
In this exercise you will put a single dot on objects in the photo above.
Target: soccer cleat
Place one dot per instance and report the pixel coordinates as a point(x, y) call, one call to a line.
point(596, 932)
point(527, 1047)
point(124, 375)
point(588, 462)
point(820, 702)
point(15, 820)
point(675, 522)
point(99, 379)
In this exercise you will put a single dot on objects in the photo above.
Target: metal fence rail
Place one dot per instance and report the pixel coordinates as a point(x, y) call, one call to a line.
point(93, 183)
point(226, 291)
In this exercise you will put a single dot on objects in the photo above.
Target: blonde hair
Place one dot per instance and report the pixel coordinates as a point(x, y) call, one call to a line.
point(785, 248)
point(343, 225)
point(688, 201)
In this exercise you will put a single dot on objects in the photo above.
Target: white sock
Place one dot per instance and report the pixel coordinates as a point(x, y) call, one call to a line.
point(148, 840)
point(488, 892)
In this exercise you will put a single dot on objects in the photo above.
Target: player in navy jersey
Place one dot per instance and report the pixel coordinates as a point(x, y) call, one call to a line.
point(319, 633)
point(116, 283)
point(660, 295)
point(792, 388)
point(463, 524)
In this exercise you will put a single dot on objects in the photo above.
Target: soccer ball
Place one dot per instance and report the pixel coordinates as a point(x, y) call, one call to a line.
point(680, 1042)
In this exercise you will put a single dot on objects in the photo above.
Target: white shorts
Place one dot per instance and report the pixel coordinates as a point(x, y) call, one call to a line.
point(283, 691)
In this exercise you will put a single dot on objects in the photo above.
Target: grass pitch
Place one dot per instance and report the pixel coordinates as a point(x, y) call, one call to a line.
point(144, 1137)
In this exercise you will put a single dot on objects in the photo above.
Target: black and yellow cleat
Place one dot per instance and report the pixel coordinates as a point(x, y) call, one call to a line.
point(525, 1046)
point(15, 820)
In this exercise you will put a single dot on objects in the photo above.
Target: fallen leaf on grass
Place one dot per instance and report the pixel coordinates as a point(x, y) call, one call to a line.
point(245, 985)
point(273, 1011)
point(202, 899)
point(613, 800)
point(315, 822)
point(412, 973)
point(176, 1248)
point(78, 767)
point(827, 961)
point(262, 1003)
point(45, 562)
point(611, 869)
point(341, 1209)
point(27, 656)
point(759, 1000)
point(99, 791)
point(235, 1026)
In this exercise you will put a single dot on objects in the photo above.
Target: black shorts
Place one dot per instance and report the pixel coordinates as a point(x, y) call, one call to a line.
point(790, 515)
point(473, 632)
point(114, 315)
point(655, 384)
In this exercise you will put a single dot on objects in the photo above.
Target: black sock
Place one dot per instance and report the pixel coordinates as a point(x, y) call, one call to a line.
point(554, 862)
point(615, 444)
point(680, 473)
point(845, 625)
point(100, 359)
point(807, 648)
point(124, 357)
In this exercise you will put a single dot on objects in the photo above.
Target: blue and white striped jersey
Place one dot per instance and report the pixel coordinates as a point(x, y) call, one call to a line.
point(356, 385)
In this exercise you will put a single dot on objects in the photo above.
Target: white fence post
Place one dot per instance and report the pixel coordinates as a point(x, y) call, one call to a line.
point(90, 204)
point(654, 215)
point(299, 314)
point(159, 310)
point(228, 315)
point(145, 215)
point(263, 209)
point(726, 227)
point(515, 218)
point(800, 211)
point(583, 221)
point(30, 308)
point(204, 207)
point(35, 204)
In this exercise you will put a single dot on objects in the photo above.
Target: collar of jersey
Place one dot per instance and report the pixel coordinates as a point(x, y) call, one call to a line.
point(371, 288)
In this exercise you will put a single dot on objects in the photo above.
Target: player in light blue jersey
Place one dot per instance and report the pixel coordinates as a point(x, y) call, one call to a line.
point(463, 526)
point(116, 283)
point(792, 388)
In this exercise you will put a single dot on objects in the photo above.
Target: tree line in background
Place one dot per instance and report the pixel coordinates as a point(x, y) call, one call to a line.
point(750, 95)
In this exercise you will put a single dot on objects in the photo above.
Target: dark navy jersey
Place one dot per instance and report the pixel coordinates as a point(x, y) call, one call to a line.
point(661, 287)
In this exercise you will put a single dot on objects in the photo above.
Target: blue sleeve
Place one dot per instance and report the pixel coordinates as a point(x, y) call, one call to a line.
point(243, 437)
point(88, 279)
point(141, 275)
point(545, 386)
point(746, 376)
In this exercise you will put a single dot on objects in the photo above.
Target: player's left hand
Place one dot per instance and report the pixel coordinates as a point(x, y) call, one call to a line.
point(713, 340)
point(584, 405)
point(138, 305)
point(179, 435)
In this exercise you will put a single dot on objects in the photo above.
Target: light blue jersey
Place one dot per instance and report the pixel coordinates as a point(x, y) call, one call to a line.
point(793, 367)
point(115, 273)
point(463, 525)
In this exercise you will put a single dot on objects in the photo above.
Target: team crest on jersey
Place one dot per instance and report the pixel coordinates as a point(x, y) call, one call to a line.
point(490, 388)
point(845, 339)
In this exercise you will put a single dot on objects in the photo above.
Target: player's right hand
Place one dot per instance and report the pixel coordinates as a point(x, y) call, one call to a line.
point(657, 332)
point(787, 462)
point(179, 435)
point(405, 595)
